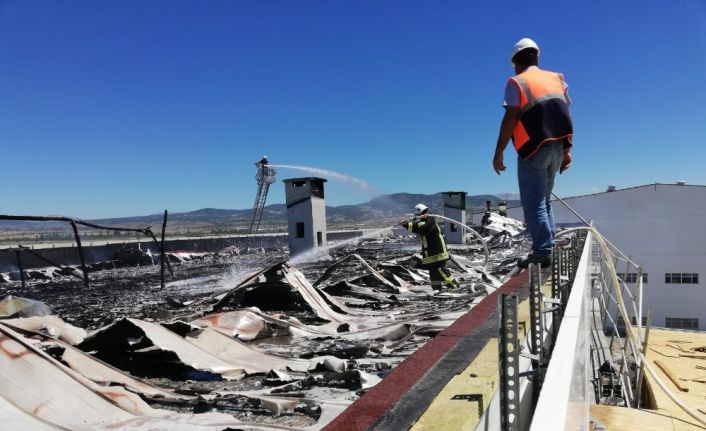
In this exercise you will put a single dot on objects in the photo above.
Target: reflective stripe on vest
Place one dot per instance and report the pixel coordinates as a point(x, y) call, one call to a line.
point(443, 243)
point(444, 255)
point(447, 280)
point(544, 113)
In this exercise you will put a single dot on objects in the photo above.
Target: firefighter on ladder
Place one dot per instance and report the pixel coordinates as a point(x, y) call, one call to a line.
point(262, 169)
point(434, 253)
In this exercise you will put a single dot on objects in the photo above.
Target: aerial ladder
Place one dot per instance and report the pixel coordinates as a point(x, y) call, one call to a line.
point(265, 176)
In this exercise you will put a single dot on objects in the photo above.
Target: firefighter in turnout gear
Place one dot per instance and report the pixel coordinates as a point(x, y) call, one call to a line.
point(434, 253)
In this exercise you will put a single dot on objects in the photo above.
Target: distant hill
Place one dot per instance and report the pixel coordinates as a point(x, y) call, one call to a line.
point(382, 207)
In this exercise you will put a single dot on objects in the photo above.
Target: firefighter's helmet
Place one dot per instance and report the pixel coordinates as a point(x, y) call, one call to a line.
point(420, 209)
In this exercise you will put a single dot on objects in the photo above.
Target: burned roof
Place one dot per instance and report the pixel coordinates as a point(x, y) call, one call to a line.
point(247, 341)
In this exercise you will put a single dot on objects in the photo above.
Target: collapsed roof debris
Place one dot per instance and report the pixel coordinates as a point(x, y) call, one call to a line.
point(251, 324)
point(393, 283)
point(272, 351)
point(50, 325)
point(496, 224)
point(65, 398)
point(149, 349)
point(11, 306)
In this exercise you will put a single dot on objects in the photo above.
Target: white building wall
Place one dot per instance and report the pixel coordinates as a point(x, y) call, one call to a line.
point(660, 226)
point(300, 213)
point(453, 233)
point(311, 212)
point(455, 209)
point(318, 207)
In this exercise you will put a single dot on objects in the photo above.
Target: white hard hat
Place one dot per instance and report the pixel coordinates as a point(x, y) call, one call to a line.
point(264, 157)
point(420, 209)
point(523, 43)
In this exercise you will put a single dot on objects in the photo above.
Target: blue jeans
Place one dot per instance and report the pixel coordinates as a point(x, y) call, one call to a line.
point(536, 179)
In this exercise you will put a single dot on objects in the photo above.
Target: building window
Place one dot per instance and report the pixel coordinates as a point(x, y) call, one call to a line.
point(681, 278)
point(631, 277)
point(634, 320)
point(300, 230)
point(681, 323)
point(319, 238)
point(692, 278)
point(453, 227)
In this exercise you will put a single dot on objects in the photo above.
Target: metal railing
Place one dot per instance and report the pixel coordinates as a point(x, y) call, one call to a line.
point(74, 223)
point(545, 316)
point(567, 345)
point(591, 296)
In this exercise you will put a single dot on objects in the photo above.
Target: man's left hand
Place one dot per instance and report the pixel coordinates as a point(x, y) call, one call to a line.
point(566, 162)
point(498, 164)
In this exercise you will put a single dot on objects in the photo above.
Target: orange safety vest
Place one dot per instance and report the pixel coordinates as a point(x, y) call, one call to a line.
point(544, 111)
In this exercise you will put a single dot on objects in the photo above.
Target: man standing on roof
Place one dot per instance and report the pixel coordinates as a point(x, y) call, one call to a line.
point(537, 119)
point(434, 253)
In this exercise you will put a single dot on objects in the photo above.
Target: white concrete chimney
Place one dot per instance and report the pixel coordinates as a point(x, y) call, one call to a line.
point(306, 213)
point(455, 209)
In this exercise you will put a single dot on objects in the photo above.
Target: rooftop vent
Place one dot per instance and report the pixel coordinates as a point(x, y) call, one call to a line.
point(681, 183)
point(611, 188)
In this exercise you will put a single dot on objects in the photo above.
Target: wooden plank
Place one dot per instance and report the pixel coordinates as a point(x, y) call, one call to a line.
point(664, 352)
point(692, 355)
point(621, 418)
point(665, 369)
point(676, 347)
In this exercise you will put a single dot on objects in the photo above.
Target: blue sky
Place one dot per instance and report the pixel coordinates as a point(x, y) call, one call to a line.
point(119, 108)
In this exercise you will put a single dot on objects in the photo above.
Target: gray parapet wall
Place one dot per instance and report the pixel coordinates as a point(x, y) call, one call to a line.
point(68, 255)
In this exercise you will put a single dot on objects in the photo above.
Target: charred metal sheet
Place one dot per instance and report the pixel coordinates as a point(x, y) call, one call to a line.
point(50, 325)
point(246, 357)
point(13, 306)
point(385, 283)
point(252, 278)
point(324, 304)
point(64, 399)
point(347, 288)
point(14, 418)
point(403, 272)
point(251, 324)
point(148, 349)
point(59, 396)
point(499, 224)
point(98, 371)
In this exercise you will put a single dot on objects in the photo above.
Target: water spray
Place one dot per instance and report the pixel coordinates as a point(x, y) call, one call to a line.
point(319, 251)
point(329, 175)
